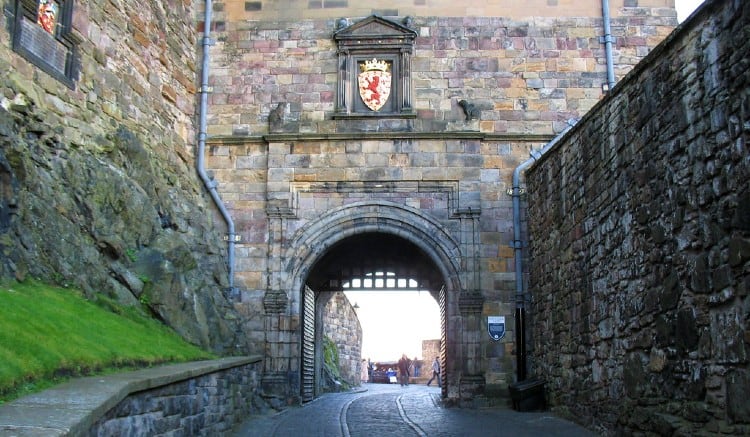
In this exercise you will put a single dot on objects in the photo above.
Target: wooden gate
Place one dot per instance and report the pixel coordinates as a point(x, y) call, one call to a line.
point(308, 345)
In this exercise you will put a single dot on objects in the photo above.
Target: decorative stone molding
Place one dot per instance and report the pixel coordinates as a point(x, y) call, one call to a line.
point(374, 44)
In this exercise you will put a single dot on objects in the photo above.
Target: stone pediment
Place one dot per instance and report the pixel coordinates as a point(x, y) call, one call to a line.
point(375, 29)
point(380, 42)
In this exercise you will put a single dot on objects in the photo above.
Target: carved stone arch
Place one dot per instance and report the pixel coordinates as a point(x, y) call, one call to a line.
point(442, 249)
point(423, 231)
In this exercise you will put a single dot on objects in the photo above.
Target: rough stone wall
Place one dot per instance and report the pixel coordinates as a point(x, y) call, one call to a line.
point(208, 405)
point(640, 243)
point(99, 188)
point(341, 324)
point(524, 74)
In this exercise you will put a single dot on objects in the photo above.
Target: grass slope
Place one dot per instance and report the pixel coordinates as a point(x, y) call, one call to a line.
point(48, 334)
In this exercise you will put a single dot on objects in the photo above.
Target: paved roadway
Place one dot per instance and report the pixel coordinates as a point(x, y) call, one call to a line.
point(392, 410)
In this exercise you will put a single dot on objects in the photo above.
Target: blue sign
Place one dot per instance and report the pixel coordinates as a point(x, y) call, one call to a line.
point(496, 327)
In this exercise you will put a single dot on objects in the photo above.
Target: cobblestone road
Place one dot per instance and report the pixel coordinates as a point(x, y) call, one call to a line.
point(392, 410)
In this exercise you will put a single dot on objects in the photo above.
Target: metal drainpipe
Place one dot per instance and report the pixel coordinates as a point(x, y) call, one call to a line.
point(608, 39)
point(209, 182)
point(520, 315)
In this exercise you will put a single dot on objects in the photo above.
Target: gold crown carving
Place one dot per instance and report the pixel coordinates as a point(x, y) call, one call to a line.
point(374, 65)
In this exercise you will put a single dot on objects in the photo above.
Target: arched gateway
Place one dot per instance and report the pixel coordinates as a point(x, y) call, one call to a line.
point(337, 129)
point(350, 242)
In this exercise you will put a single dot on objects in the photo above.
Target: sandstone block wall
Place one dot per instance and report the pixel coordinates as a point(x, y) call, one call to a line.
point(441, 178)
point(525, 72)
point(640, 243)
point(430, 350)
point(295, 9)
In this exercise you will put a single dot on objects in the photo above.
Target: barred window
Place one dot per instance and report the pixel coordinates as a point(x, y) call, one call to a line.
point(42, 33)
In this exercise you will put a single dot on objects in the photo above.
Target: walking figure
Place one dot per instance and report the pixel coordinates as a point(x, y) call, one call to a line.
point(435, 372)
point(403, 370)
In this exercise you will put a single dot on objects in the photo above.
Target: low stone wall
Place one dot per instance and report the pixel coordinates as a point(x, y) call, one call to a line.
point(204, 398)
point(205, 405)
point(640, 243)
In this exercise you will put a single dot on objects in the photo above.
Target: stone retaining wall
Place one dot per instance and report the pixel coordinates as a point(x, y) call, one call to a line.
point(640, 243)
point(193, 398)
point(203, 405)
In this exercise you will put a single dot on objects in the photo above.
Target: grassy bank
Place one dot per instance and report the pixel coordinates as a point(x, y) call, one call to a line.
point(48, 334)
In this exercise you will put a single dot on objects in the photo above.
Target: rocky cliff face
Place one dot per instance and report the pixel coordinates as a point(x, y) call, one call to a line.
point(122, 220)
point(98, 183)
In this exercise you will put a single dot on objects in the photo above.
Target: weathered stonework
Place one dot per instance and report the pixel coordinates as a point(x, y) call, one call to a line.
point(404, 169)
point(108, 165)
point(206, 405)
point(340, 324)
point(98, 182)
point(523, 71)
point(640, 236)
point(300, 179)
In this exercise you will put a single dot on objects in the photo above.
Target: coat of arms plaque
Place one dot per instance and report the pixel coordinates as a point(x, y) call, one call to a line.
point(374, 83)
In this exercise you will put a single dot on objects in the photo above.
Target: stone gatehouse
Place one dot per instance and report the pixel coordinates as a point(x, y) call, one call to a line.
point(329, 186)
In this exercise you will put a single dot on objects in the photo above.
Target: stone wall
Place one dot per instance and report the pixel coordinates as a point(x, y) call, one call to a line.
point(430, 350)
point(272, 10)
point(281, 171)
point(206, 405)
point(341, 324)
point(193, 398)
point(525, 74)
point(99, 187)
point(640, 243)
point(444, 179)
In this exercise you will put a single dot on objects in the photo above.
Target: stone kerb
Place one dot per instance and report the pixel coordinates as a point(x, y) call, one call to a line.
point(362, 217)
point(141, 402)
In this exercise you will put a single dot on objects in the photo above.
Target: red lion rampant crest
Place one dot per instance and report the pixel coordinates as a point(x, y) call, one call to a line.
point(374, 83)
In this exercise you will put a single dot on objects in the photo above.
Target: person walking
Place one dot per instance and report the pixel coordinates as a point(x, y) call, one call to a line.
point(435, 372)
point(403, 370)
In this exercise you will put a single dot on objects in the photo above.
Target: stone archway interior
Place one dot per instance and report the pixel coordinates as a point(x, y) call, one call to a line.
point(357, 260)
point(368, 262)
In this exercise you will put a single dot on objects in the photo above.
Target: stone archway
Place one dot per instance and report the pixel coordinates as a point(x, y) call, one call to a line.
point(369, 261)
point(301, 254)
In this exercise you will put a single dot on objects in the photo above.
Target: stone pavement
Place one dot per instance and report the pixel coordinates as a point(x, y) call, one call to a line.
point(383, 409)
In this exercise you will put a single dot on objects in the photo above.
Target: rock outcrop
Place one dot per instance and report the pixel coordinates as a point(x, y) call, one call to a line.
point(122, 220)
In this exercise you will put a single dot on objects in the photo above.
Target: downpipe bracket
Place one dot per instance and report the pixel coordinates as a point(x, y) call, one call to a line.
point(517, 244)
